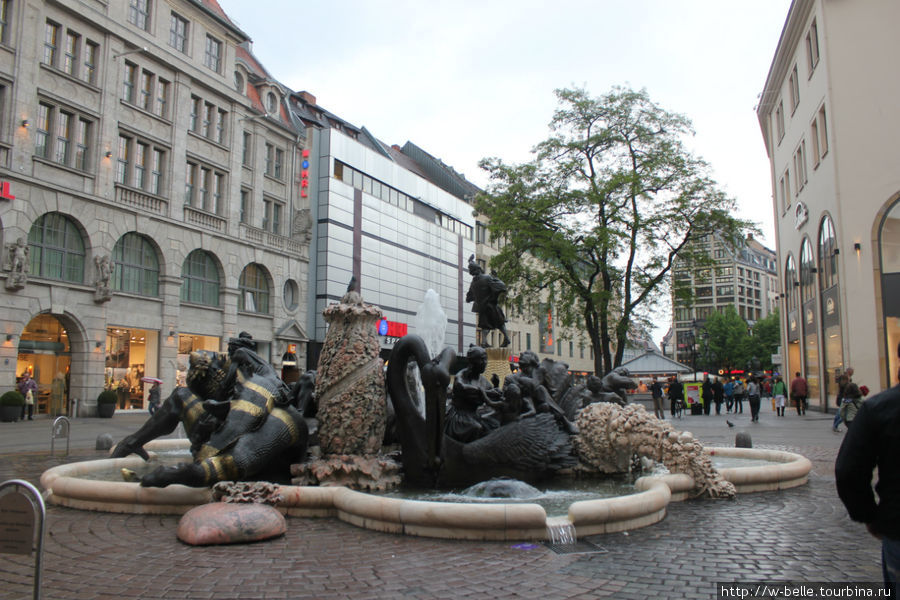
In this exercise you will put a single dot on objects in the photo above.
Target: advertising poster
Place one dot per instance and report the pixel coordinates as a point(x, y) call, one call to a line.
point(692, 393)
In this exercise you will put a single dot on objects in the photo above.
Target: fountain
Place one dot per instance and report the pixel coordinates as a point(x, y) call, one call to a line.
point(605, 438)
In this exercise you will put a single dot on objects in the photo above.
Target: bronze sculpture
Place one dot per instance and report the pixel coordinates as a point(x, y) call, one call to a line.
point(484, 294)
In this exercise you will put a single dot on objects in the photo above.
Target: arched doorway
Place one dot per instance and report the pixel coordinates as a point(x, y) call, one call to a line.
point(888, 246)
point(45, 353)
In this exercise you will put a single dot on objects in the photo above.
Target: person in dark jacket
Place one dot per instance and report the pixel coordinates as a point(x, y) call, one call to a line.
point(707, 393)
point(874, 441)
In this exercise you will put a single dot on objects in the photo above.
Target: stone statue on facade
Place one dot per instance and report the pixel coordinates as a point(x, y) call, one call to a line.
point(103, 265)
point(17, 264)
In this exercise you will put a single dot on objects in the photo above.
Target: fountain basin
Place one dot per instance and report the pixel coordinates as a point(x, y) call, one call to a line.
point(64, 485)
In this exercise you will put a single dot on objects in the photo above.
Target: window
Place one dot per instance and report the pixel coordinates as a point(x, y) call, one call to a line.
point(480, 233)
point(135, 266)
point(162, 98)
point(220, 126)
point(178, 28)
point(196, 106)
point(56, 248)
point(277, 209)
point(4, 21)
point(245, 149)
point(89, 68)
point(129, 83)
point(139, 13)
point(271, 103)
point(238, 82)
point(812, 47)
point(814, 140)
point(823, 133)
point(786, 192)
point(200, 279)
point(291, 293)
point(51, 41)
point(245, 205)
point(279, 161)
point(146, 97)
point(208, 119)
point(70, 57)
point(213, 57)
point(204, 188)
point(254, 290)
point(779, 119)
point(794, 84)
point(799, 167)
point(140, 164)
point(72, 133)
point(270, 159)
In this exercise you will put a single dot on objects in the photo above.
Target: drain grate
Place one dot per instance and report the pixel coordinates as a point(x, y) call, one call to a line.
point(582, 547)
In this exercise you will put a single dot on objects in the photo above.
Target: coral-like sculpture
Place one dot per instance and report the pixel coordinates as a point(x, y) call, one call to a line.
point(609, 435)
point(350, 380)
point(369, 473)
point(241, 492)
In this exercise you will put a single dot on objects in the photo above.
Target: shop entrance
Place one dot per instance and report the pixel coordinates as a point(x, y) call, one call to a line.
point(45, 354)
point(131, 355)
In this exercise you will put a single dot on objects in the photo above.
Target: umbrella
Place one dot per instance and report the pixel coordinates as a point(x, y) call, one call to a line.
point(151, 380)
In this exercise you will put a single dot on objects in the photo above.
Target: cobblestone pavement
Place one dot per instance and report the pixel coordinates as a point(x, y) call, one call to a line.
point(801, 534)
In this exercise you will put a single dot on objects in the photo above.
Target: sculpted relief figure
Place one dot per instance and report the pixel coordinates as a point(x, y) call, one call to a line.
point(17, 264)
point(104, 274)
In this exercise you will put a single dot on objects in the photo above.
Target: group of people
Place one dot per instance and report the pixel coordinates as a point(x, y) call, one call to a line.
point(732, 392)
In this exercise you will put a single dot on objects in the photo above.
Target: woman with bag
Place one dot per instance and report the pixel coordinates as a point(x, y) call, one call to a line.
point(851, 401)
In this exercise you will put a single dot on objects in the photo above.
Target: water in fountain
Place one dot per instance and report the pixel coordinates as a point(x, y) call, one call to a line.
point(430, 324)
point(560, 531)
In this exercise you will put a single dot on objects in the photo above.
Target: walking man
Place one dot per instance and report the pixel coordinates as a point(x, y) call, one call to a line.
point(657, 392)
point(799, 391)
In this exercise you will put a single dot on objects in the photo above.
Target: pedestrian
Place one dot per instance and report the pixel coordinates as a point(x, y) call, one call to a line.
point(779, 391)
point(799, 391)
point(851, 402)
point(676, 397)
point(842, 381)
point(656, 392)
point(26, 385)
point(728, 389)
point(738, 396)
point(718, 394)
point(707, 394)
point(873, 441)
point(754, 398)
point(153, 398)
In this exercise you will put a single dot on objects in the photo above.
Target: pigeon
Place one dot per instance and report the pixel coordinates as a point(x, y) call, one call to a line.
point(730, 424)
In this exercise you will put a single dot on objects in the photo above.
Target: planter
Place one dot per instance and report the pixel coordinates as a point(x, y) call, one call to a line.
point(106, 411)
point(8, 414)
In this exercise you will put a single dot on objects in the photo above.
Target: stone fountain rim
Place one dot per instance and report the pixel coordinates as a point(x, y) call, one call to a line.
point(470, 521)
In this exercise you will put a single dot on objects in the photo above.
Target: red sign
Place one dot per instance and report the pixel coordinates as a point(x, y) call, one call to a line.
point(4, 191)
point(392, 328)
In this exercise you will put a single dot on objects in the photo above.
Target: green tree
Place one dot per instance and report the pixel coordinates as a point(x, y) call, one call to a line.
point(725, 336)
point(765, 340)
point(592, 224)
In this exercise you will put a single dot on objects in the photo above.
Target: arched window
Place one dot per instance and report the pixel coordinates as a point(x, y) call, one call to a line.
point(271, 103)
point(807, 271)
point(56, 248)
point(791, 284)
point(200, 279)
point(254, 288)
point(135, 266)
point(889, 261)
point(828, 275)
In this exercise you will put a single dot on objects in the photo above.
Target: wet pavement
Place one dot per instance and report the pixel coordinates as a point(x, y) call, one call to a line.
point(800, 535)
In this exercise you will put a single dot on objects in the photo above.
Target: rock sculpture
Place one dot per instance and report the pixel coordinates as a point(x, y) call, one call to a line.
point(103, 266)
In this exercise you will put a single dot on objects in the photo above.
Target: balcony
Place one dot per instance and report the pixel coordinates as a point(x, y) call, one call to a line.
point(141, 200)
point(273, 241)
point(204, 219)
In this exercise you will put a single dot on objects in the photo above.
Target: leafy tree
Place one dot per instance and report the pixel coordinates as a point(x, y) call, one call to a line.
point(593, 223)
point(724, 335)
point(765, 340)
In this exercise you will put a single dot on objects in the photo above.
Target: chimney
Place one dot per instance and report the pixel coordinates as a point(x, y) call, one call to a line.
point(307, 97)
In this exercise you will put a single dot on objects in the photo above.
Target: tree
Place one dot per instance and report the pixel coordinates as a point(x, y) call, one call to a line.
point(592, 224)
point(727, 337)
point(766, 339)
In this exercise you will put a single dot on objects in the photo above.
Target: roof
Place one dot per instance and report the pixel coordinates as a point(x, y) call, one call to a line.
point(654, 363)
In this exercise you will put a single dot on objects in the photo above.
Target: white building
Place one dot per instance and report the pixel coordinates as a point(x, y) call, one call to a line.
point(830, 125)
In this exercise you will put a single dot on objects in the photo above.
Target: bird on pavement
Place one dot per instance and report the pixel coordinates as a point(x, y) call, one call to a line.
point(730, 424)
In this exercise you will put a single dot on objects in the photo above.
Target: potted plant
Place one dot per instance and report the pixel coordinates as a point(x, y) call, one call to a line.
point(11, 406)
point(106, 404)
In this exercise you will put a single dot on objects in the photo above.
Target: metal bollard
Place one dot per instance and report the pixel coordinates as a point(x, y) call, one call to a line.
point(60, 429)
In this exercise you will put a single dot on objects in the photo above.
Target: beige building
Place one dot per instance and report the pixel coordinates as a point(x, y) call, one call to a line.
point(743, 277)
point(147, 169)
point(829, 121)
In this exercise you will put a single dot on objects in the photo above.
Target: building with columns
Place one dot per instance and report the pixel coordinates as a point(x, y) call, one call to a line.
point(830, 127)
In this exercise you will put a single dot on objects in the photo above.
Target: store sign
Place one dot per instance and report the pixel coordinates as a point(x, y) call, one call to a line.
point(4, 191)
point(304, 175)
point(392, 329)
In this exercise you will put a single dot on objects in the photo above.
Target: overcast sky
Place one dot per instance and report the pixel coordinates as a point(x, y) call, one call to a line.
point(467, 79)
